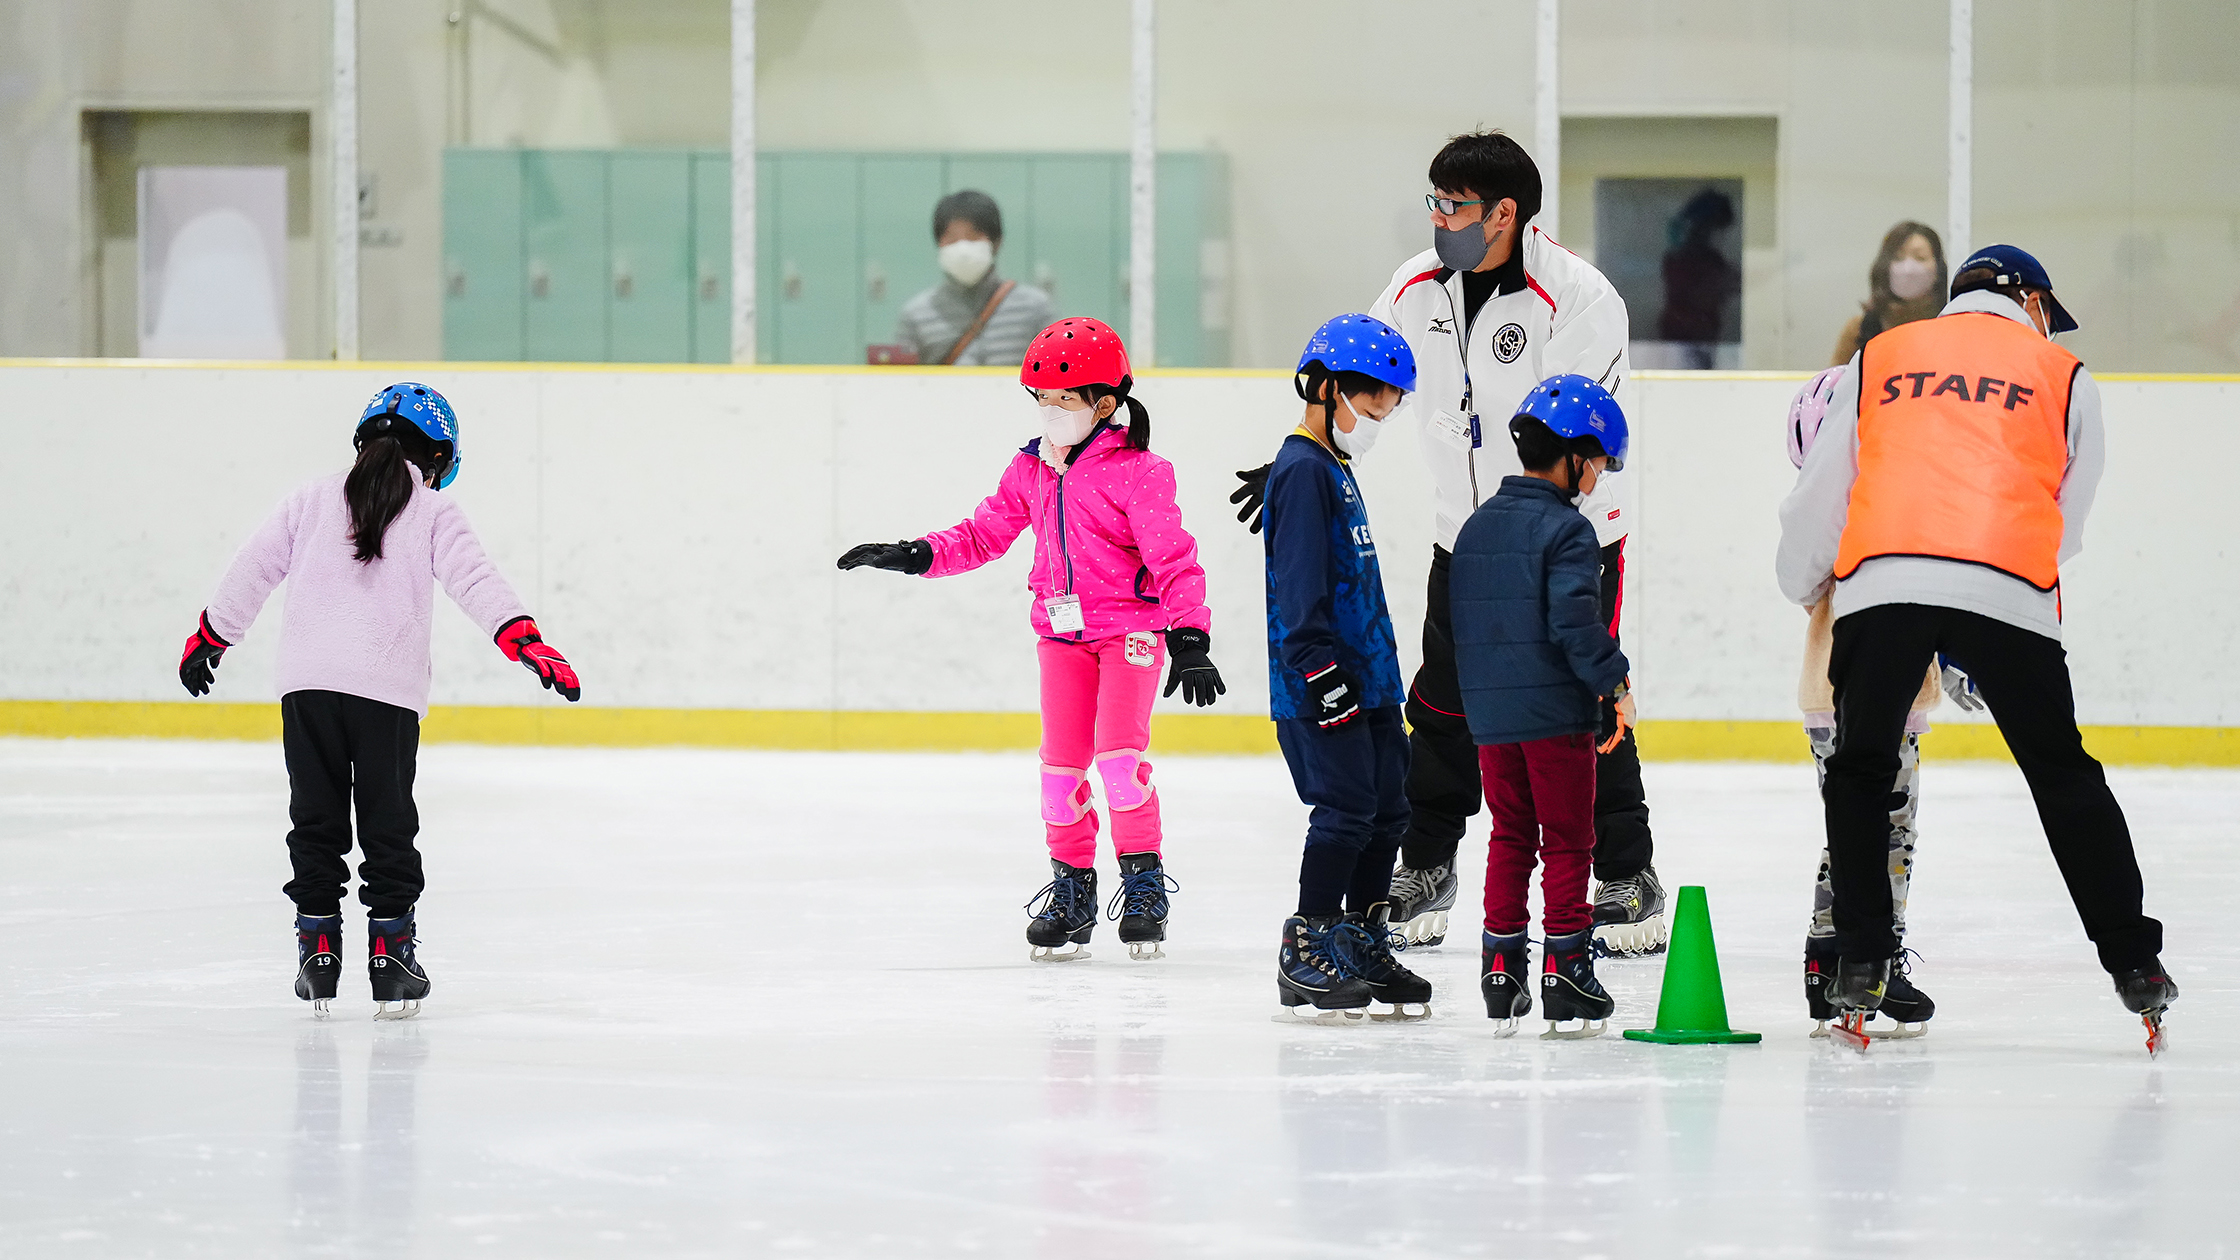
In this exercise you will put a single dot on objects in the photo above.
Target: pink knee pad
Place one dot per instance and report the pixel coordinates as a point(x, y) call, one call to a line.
point(1065, 794)
point(1127, 779)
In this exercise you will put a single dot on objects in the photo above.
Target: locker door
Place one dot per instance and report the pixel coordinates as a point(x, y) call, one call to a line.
point(1005, 178)
point(818, 270)
point(564, 212)
point(649, 240)
point(711, 258)
point(481, 254)
point(769, 178)
point(898, 192)
point(1181, 199)
point(1078, 247)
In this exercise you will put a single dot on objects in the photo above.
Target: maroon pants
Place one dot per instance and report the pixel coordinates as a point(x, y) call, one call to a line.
point(1541, 797)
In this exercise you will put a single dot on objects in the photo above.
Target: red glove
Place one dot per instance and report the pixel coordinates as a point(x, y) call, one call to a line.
point(198, 665)
point(519, 640)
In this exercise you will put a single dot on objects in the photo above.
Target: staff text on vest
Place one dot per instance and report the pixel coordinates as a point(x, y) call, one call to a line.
point(1987, 388)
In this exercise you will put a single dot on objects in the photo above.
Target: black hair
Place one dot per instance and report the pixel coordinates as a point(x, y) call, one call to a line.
point(2002, 283)
point(392, 454)
point(974, 207)
point(1308, 385)
point(1539, 447)
point(1489, 166)
point(1139, 417)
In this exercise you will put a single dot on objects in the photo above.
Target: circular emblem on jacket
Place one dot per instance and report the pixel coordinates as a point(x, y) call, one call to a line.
point(1508, 342)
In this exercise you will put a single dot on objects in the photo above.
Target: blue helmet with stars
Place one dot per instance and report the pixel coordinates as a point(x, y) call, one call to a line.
point(1364, 344)
point(423, 421)
point(1577, 408)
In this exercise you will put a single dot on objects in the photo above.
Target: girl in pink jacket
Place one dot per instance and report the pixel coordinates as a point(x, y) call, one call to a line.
point(1117, 590)
point(361, 553)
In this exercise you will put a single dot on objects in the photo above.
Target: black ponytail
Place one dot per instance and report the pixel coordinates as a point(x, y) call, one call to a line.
point(1139, 417)
point(378, 487)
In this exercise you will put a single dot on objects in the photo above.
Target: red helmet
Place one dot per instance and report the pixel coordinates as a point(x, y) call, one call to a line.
point(1072, 353)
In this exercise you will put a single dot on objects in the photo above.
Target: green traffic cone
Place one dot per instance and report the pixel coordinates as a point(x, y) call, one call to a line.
point(1693, 1008)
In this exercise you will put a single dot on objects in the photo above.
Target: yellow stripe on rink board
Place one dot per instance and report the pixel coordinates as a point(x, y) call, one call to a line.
point(1179, 734)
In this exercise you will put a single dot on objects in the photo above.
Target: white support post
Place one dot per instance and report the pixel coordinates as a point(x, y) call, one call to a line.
point(342, 130)
point(1959, 194)
point(1142, 189)
point(742, 182)
point(1547, 112)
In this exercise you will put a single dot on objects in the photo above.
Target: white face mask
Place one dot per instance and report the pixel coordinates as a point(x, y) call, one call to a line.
point(1911, 278)
point(967, 261)
point(1062, 429)
point(1363, 435)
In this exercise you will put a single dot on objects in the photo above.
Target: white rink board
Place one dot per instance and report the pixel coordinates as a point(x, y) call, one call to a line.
point(674, 531)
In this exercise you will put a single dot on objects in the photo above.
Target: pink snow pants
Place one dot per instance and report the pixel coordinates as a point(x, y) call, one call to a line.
point(1096, 723)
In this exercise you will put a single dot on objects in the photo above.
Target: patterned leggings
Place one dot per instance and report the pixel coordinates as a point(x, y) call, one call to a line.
point(1904, 799)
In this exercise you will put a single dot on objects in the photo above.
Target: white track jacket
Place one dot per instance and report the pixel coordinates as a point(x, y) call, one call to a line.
point(1469, 380)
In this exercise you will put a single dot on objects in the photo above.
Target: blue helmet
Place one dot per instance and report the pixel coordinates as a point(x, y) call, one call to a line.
point(1359, 343)
point(431, 436)
point(1575, 407)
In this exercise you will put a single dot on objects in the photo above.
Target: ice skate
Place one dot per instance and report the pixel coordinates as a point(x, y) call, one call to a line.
point(1373, 943)
point(1629, 916)
point(1312, 970)
point(318, 960)
point(1904, 1005)
point(1569, 991)
point(1857, 992)
point(398, 980)
point(2148, 993)
point(1141, 905)
point(1065, 912)
point(1505, 978)
point(1421, 902)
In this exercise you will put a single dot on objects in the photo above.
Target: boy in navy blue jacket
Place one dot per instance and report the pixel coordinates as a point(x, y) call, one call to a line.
point(1535, 661)
point(1334, 678)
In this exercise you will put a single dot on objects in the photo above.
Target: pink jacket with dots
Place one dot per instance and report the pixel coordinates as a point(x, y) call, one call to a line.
point(1108, 530)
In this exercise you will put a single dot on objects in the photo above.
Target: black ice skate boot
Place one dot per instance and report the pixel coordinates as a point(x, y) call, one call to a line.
point(394, 968)
point(1903, 1005)
point(1629, 916)
point(1505, 978)
point(1857, 992)
point(1141, 905)
point(2148, 992)
point(318, 959)
point(1819, 973)
point(1421, 903)
point(1371, 943)
point(1065, 912)
point(1314, 969)
point(1568, 989)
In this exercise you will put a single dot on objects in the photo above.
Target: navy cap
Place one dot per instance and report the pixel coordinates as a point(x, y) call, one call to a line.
point(2015, 267)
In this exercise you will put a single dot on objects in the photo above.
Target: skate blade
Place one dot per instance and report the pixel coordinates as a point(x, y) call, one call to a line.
point(1356, 1017)
point(1425, 930)
point(1587, 1028)
point(1053, 953)
point(319, 1008)
point(1851, 1031)
point(1505, 1027)
point(1145, 951)
point(403, 1009)
point(1399, 1013)
point(1631, 940)
point(2158, 1040)
point(1903, 1032)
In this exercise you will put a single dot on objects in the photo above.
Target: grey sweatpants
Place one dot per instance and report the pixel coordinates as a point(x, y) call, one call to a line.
point(1904, 798)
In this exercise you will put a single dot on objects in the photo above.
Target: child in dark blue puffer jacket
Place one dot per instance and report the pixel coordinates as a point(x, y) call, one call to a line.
point(1534, 661)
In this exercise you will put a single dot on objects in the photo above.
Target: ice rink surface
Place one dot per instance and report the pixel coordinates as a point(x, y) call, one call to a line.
point(730, 1004)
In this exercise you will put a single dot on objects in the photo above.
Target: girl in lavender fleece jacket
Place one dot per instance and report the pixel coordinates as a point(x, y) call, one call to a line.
point(1117, 587)
point(362, 552)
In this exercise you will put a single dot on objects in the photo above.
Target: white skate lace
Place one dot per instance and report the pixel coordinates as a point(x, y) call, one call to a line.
point(1409, 884)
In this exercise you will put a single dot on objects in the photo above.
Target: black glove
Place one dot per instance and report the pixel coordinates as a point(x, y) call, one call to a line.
point(1252, 495)
point(911, 555)
point(1336, 696)
point(198, 665)
point(1189, 668)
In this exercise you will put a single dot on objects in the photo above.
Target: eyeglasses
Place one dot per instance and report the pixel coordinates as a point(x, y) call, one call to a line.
point(1448, 205)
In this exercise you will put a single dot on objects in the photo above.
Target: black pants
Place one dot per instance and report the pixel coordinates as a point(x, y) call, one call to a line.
point(1876, 667)
point(1443, 787)
point(1353, 778)
point(342, 749)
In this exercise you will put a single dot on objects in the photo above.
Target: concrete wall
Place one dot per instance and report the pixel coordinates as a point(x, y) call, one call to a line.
point(675, 531)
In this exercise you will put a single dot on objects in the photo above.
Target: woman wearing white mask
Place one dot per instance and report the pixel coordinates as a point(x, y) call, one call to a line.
point(1906, 283)
point(974, 317)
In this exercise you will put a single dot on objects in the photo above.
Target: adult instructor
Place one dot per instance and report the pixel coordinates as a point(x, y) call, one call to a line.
point(1950, 481)
point(1491, 310)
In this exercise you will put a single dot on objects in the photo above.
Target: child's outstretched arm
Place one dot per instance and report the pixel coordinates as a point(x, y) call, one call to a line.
point(474, 583)
point(974, 541)
point(259, 566)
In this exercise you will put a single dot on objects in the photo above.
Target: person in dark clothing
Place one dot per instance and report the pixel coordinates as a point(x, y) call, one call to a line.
point(1536, 664)
point(1334, 678)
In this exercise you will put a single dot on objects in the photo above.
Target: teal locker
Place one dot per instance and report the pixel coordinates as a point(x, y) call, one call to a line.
point(711, 258)
point(768, 181)
point(564, 221)
point(482, 260)
point(1008, 179)
point(1191, 254)
point(816, 259)
point(897, 192)
point(1079, 244)
point(650, 289)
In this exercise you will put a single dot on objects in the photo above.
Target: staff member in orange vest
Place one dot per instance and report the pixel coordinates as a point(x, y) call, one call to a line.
point(1951, 478)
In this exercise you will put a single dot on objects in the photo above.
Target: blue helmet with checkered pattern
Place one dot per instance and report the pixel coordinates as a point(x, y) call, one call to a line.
point(1364, 344)
point(422, 420)
point(1576, 408)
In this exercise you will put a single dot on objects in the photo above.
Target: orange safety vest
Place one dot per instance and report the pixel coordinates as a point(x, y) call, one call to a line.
point(1963, 442)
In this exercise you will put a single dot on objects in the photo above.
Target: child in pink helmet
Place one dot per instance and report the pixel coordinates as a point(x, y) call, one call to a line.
point(1117, 591)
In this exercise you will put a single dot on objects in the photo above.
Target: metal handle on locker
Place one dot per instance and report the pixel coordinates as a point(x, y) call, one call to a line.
point(540, 281)
point(791, 284)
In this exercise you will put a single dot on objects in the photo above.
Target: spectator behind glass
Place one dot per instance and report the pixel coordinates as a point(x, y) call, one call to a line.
point(1906, 283)
point(1699, 280)
point(973, 318)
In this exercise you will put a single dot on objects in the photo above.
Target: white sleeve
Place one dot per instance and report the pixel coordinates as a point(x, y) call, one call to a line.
point(2088, 458)
point(1386, 309)
point(1588, 336)
point(1813, 516)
